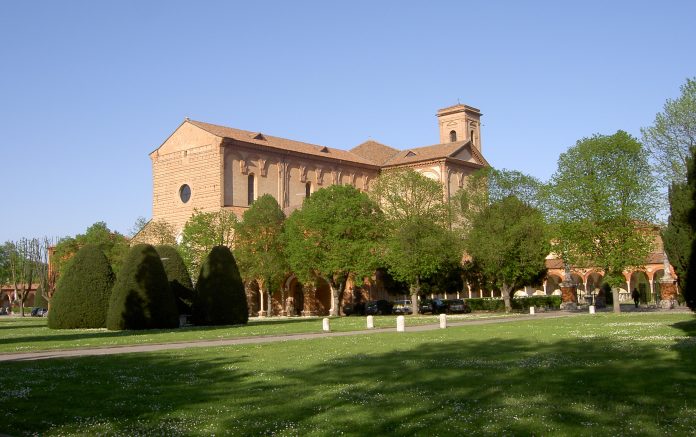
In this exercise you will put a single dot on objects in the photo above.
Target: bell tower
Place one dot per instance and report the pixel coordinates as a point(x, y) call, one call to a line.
point(460, 123)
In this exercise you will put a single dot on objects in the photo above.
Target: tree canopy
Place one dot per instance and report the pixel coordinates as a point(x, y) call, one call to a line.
point(601, 202)
point(202, 232)
point(509, 241)
point(336, 233)
point(673, 135)
point(418, 243)
point(113, 244)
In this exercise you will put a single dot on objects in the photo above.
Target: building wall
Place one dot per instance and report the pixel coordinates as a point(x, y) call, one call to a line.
point(190, 156)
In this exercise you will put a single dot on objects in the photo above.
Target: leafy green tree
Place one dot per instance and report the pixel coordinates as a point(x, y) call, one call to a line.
point(6, 251)
point(510, 242)
point(673, 135)
point(418, 243)
point(335, 234)
point(178, 277)
point(202, 232)
point(141, 297)
point(220, 298)
point(259, 246)
point(599, 198)
point(113, 244)
point(82, 294)
point(487, 186)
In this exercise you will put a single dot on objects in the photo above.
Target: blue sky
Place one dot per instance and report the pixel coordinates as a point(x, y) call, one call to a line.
point(89, 88)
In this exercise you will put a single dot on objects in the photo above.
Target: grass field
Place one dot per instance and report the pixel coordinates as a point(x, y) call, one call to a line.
point(31, 334)
point(629, 374)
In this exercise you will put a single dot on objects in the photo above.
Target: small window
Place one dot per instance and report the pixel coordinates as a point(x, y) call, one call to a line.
point(185, 193)
point(251, 194)
point(471, 136)
point(308, 189)
point(453, 136)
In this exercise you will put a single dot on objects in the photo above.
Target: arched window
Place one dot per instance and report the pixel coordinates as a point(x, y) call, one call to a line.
point(453, 136)
point(471, 136)
point(250, 192)
point(308, 189)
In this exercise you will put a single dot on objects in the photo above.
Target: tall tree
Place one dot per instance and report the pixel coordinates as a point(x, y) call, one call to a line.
point(113, 244)
point(335, 234)
point(672, 135)
point(259, 246)
point(600, 197)
point(418, 242)
point(510, 242)
point(202, 232)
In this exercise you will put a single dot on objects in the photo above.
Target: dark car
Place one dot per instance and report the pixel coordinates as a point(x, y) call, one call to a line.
point(357, 308)
point(377, 307)
point(38, 312)
point(433, 306)
point(457, 306)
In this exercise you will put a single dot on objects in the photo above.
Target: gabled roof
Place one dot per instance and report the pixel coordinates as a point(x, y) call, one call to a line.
point(436, 151)
point(374, 151)
point(268, 141)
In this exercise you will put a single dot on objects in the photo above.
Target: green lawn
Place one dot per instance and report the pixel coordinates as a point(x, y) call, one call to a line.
point(31, 334)
point(629, 374)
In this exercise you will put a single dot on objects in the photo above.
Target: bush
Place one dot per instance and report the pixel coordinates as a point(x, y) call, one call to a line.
point(220, 298)
point(39, 299)
point(483, 304)
point(141, 298)
point(178, 276)
point(82, 294)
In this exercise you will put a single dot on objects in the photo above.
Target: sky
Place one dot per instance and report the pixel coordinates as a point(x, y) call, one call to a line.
point(88, 89)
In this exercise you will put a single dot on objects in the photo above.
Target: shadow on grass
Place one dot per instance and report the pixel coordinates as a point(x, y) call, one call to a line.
point(430, 385)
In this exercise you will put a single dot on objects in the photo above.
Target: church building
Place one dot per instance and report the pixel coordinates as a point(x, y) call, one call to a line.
point(207, 167)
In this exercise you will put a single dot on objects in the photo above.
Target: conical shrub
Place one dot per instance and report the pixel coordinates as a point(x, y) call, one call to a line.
point(82, 294)
point(141, 298)
point(220, 298)
point(178, 276)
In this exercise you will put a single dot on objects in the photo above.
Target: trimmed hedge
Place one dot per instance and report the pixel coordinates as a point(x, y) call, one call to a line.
point(178, 276)
point(141, 298)
point(220, 298)
point(524, 303)
point(82, 294)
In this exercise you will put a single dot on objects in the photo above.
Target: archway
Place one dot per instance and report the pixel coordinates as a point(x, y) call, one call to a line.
point(553, 283)
point(323, 297)
point(593, 284)
point(640, 282)
point(295, 304)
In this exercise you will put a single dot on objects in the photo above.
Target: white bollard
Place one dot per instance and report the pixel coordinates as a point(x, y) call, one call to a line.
point(370, 322)
point(591, 309)
point(531, 310)
point(443, 321)
point(400, 324)
point(327, 327)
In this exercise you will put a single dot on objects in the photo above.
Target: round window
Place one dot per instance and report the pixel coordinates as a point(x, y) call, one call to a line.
point(185, 193)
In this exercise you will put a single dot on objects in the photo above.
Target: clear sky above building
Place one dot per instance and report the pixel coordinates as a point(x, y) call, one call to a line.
point(89, 88)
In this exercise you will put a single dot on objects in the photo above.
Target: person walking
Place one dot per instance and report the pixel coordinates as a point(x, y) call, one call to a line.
point(636, 296)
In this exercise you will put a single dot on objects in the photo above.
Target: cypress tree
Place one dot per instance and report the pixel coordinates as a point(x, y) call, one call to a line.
point(220, 298)
point(82, 294)
point(141, 298)
point(178, 276)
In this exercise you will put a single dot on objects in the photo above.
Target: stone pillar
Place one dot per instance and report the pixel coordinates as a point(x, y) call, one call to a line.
point(569, 296)
point(668, 287)
point(310, 301)
point(443, 321)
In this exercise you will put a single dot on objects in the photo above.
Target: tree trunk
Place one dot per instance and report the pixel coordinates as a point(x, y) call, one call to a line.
point(415, 291)
point(615, 296)
point(505, 291)
point(270, 304)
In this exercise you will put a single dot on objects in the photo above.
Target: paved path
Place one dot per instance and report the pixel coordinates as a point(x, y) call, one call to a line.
point(113, 350)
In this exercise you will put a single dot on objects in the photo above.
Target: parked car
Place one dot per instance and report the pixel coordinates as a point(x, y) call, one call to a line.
point(433, 306)
point(38, 312)
point(3, 311)
point(357, 308)
point(402, 307)
point(377, 307)
point(457, 306)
